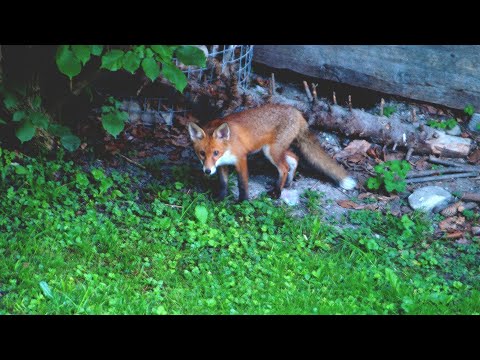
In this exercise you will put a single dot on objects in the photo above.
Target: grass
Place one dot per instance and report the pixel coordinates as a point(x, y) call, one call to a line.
point(76, 242)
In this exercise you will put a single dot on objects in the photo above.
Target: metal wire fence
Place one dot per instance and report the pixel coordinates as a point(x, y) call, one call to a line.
point(161, 110)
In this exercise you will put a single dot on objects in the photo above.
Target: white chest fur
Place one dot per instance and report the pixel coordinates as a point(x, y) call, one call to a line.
point(226, 159)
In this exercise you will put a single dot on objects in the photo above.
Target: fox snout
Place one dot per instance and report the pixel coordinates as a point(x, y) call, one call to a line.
point(209, 171)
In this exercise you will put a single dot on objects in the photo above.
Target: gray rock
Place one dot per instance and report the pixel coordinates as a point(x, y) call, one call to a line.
point(474, 124)
point(429, 197)
point(290, 197)
point(455, 131)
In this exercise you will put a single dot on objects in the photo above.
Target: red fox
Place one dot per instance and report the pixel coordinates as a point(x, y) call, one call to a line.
point(271, 128)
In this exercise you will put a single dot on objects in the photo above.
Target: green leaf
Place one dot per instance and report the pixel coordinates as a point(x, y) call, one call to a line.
point(18, 115)
point(10, 101)
point(25, 131)
point(106, 109)
point(82, 52)
point(469, 109)
point(149, 53)
point(191, 55)
point(70, 142)
point(59, 130)
point(2, 122)
point(37, 102)
point(201, 213)
point(374, 183)
point(96, 49)
point(112, 60)
point(151, 68)
point(165, 51)
point(131, 62)
point(113, 123)
point(140, 51)
point(46, 289)
point(39, 119)
point(67, 62)
point(175, 76)
point(21, 170)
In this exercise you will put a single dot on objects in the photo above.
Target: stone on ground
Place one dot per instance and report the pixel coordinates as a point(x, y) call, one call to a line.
point(429, 197)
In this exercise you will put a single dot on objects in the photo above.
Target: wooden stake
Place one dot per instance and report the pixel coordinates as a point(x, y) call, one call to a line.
point(307, 91)
point(272, 84)
point(350, 102)
point(382, 104)
point(334, 98)
point(409, 154)
point(314, 92)
point(414, 115)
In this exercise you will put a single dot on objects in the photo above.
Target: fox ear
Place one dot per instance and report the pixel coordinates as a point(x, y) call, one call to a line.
point(222, 132)
point(196, 132)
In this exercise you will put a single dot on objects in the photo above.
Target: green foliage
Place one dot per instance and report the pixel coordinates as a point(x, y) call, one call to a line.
point(113, 119)
point(83, 242)
point(153, 59)
point(28, 115)
point(389, 110)
point(444, 125)
point(469, 110)
point(391, 174)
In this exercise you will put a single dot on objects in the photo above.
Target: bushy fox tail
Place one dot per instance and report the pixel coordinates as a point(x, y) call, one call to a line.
point(320, 160)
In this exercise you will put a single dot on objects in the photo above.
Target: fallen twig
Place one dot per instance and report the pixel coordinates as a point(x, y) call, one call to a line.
point(441, 177)
point(133, 162)
point(435, 160)
point(459, 169)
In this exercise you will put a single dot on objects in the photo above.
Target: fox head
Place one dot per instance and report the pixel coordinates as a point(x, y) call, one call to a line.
point(212, 150)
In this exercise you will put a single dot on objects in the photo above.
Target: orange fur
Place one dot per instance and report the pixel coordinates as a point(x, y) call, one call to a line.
point(271, 128)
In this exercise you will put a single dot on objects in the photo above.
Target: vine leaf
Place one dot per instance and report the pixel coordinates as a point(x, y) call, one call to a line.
point(67, 62)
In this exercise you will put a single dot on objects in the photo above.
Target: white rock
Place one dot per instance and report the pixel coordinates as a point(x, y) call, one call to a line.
point(455, 131)
point(474, 122)
point(429, 197)
point(290, 197)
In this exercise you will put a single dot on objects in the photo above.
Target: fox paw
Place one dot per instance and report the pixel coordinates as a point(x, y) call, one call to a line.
point(274, 193)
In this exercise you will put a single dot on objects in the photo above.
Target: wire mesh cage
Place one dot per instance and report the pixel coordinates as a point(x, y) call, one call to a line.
point(162, 110)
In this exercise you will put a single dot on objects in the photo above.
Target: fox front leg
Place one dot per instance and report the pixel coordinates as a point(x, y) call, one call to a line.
point(223, 182)
point(242, 171)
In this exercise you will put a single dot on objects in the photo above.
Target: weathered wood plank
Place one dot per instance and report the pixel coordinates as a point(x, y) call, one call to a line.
point(442, 74)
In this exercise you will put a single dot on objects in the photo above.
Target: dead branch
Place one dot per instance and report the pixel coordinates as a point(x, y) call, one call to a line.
point(388, 131)
point(441, 177)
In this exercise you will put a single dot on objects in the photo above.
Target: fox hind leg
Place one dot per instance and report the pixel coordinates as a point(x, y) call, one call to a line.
point(292, 161)
point(277, 157)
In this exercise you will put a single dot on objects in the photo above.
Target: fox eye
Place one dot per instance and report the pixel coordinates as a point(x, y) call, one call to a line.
point(215, 153)
point(202, 153)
